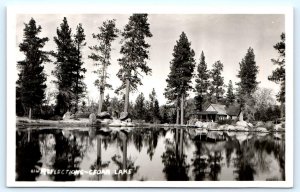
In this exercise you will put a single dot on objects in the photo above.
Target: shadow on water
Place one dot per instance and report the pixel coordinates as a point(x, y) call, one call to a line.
point(172, 154)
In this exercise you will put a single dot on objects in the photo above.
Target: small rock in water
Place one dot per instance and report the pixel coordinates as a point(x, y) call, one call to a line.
point(92, 118)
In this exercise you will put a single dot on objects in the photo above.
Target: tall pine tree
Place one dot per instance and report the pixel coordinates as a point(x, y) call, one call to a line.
point(230, 97)
point(101, 56)
point(139, 107)
point(248, 83)
point(64, 69)
point(182, 68)
point(135, 52)
point(154, 106)
point(278, 75)
point(68, 70)
point(217, 83)
point(202, 83)
point(79, 87)
point(31, 82)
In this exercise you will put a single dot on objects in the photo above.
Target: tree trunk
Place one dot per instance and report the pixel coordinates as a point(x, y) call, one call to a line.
point(100, 102)
point(125, 152)
point(181, 144)
point(177, 115)
point(182, 111)
point(241, 117)
point(126, 97)
point(282, 111)
point(29, 114)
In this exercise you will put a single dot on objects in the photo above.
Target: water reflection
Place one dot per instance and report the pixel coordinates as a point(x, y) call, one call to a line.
point(147, 154)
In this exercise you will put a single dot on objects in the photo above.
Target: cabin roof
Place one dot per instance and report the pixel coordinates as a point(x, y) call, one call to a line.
point(220, 109)
point(233, 110)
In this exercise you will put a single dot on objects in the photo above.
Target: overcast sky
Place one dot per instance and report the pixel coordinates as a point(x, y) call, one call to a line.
point(221, 37)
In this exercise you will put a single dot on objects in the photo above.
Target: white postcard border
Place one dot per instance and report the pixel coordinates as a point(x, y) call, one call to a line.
point(12, 11)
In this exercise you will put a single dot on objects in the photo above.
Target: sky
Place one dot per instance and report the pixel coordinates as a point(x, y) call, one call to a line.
point(220, 37)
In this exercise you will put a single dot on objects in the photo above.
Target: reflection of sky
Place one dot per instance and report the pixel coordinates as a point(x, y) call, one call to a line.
point(221, 37)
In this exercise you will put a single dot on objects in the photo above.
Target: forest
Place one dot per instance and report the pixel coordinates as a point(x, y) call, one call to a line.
point(256, 103)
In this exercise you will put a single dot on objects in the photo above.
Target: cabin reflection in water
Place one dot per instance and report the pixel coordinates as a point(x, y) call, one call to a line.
point(156, 154)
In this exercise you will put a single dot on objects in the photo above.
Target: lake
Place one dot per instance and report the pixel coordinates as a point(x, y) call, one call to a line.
point(154, 154)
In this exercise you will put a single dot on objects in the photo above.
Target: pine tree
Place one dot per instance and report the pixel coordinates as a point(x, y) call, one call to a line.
point(135, 52)
point(247, 74)
point(31, 82)
point(182, 68)
point(278, 75)
point(154, 106)
point(101, 56)
point(248, 83)
point(140, 108)
point(202, 83)
point(217, 83)
point(79, 87)
point(65, 69)
point(230, 97)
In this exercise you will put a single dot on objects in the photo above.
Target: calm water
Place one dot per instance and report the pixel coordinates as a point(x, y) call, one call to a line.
point(146, 154)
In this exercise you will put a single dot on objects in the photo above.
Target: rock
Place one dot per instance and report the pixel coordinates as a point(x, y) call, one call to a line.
point(260, 124)
point(205, 125)
point(212, 125)
point(198, 124)
point(250, 125)
point(261, 129)
point(128, 120)
point(104, 115)
point(67, 116)
point(106, 121)
point(230, 128)
point(242, 123)
point(123, 116)
point(269, 124)
point(92, 118)
point(241, 128)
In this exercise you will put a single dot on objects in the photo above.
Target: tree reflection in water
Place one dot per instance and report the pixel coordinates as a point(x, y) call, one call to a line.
point(124, 164)
point(199, 160)
point(27, 156)
point(67, 156)
point(174, 159)
point(99, 165)
point(248, 156)
point(151, 139)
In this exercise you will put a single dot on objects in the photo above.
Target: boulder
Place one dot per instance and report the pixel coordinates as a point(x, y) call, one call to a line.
point(261, 129)
point(198, 124)
point(124, 116)
point(230, 128)
point(241, 128)
point(67, 115)
point(250, 125)
point(269, 125)
point(260, 124)
point(104, 115)
point(92, 118)
point(242, 123)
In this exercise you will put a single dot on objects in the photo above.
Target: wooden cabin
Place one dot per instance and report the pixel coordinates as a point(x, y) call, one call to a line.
point(216, 112)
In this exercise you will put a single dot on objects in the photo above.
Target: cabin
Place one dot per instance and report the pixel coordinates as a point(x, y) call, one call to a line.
point(216, 112)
